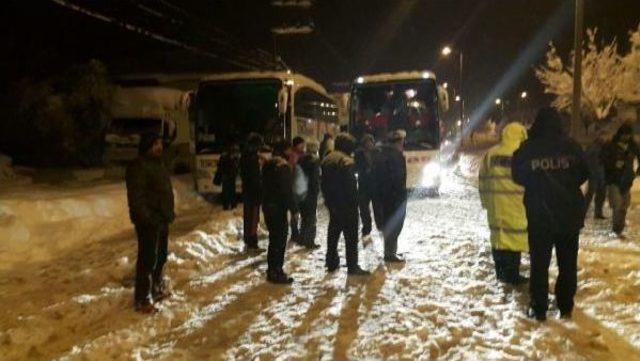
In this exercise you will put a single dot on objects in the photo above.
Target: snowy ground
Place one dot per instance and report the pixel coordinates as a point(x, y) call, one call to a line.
point(443, 303)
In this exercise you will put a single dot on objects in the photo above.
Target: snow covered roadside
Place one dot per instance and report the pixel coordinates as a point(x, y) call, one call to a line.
point(39, 222)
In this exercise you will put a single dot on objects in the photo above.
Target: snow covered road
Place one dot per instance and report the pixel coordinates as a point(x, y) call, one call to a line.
point(443, 303)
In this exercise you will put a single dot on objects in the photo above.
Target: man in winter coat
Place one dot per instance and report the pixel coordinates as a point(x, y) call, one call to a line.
point(503, 201)
point(310, 165)
point(618, 157)
point(277, 202)
point(364, 167)
point(551, 168)
point(340, 192)
point(251, 176)
point(597, 184)
point(150, 198)
point(390, 174)
point(228, 169)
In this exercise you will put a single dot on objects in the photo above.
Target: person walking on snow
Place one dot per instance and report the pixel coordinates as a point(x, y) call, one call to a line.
point(310, 165)
point(251, 176)
point(277, 202)
point(502, 199)
point(340, 191)
point(364, 167)
point(618, 157)
point(390, 174)
point(227, 174)
point(597, 185)
point(293, 155)
point(551, 168)
point(150, 199)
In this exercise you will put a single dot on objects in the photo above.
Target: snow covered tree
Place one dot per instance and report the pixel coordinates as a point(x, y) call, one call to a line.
point(601, 72)
point(630, 83)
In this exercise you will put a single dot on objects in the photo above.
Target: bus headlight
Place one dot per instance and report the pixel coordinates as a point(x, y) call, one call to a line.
point(431, 175)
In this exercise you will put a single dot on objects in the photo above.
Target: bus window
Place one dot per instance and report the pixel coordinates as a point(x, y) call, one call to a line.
point(227, 111)
point(412, 105)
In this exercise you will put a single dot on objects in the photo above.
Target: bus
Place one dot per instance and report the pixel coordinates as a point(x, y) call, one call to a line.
point(276, 104)
point(139, 109)
point(411, 101)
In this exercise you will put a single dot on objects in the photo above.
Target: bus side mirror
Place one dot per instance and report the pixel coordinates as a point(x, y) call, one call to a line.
point(283, 100)
point(443, 99)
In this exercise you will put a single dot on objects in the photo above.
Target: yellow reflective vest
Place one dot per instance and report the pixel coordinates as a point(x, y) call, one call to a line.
point(500, 196)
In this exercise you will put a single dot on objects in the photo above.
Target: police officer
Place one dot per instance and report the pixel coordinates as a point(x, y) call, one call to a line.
point(310, 165)
point(597, 185)
point(390, 174)
point(503, 201)
point(618, 157)
point(277, 202)
point(340, 192)
point(150, 198)
point(251, 176)
point(364, 166)
point(551, 168)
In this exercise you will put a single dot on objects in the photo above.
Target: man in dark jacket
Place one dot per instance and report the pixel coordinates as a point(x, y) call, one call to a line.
point(228, 173)
point(310, 165)
point(340, 192)
point(150, 198)
point(364, 167)
point(251, 176)
point(618, 157)
point(597, 184)
point(390, 174)
point(277, 202)
point(551, 168)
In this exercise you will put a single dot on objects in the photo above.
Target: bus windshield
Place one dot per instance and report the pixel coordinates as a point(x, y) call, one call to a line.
point(227, 111)
point(412, 105)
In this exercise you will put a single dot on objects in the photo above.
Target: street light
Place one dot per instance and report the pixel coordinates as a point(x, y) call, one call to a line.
point(523, 95)
point(445, 85)
point(446, 51)
point(498, 101)
point(458, 98)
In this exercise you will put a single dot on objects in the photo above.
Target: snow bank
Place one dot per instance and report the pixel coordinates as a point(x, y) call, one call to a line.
point(37, 222)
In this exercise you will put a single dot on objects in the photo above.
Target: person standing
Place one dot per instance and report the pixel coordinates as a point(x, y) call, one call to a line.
point(151, 209)
point(340, 191)
point(277, 202)
point(502, 199)
point(364, 167)
point(390, 174)
point(618, 157)
point(310, 165)
point(251, 176)
point(326, 145)
point(299, 185)
point(228, 173)
point(597, 184)
point(551, 168)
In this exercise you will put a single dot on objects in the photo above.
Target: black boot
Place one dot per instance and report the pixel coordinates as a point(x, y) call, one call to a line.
point(357, 271)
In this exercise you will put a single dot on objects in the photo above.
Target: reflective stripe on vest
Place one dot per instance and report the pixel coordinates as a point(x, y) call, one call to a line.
point(508, 230)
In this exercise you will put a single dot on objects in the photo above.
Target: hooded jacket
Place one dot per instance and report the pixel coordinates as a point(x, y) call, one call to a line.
point(500, 196)
point(551, 168)
point(618, 158)
point(339, 185)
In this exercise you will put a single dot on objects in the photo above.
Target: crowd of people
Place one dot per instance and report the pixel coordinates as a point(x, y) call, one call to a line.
point(530, 185)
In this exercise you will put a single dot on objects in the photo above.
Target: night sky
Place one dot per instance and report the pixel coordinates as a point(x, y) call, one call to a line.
point(351, 37)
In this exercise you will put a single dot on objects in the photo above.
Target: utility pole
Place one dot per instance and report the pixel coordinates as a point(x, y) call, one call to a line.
point(577, 68)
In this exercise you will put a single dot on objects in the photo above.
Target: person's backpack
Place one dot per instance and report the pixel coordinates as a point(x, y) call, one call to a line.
point(300, 183)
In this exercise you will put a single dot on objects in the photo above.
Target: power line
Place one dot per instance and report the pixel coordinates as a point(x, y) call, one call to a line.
point(150, 34)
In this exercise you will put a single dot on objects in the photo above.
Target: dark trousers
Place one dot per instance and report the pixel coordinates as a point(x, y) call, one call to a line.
point(541, 243)
point(393, 215)
point(364, 202)
point(251, 218)
point(152, 255)
point(598, 190)
point(619, 201)
point(345, 222)
point(308, 219)
point(294, 224)
point(507, 265)
point(229, 195)
point(275, 216)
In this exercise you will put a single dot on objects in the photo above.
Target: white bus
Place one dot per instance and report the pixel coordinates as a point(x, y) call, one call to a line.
point(411, 101)
point(139, 109)
point(278, 105)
